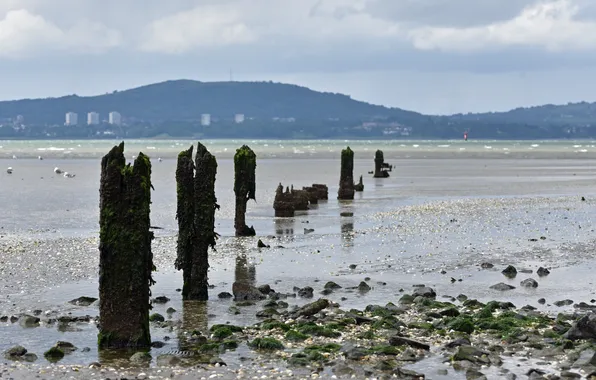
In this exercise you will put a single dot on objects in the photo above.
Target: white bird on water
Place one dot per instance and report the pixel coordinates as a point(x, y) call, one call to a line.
point(9, 170)
point(68, 175)
point(39, 157)
point(159, 159)
point(57, 170)
point(14, 157)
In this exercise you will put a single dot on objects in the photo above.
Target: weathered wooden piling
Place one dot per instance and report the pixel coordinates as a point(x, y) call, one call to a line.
point(196, 219)
point(245, 163)
point(359, 186)
point(283, 203)
point(381, 168)
point(322, 191)
point(125, 257)
point(346, 180)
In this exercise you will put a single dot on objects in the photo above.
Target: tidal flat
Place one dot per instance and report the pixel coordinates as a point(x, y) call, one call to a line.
point(405, 281)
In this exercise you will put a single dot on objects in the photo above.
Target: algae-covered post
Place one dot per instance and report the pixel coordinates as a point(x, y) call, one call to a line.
point(196, 219)
point(380, 166)
point(245, 163)
point(346, 180)
point(204, 222)
point(125, 258)
point(185, 214)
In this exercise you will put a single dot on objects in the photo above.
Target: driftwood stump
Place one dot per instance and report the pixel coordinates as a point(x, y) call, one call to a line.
point(125, 257)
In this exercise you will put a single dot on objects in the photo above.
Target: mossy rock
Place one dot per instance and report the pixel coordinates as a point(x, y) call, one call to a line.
point(462, 324)
point(316, 330)
point(274, 324)
point(267, 344)
point(328, 347)
point(385, 350)
point(231, 327)
point(295, 336)
point(156, 317)
point(54, 354)
point(222, 332)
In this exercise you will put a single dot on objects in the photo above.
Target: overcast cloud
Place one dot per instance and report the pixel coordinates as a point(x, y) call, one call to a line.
point(433, 56)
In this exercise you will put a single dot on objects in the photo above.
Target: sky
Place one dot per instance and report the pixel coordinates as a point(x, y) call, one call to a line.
point(430, 56)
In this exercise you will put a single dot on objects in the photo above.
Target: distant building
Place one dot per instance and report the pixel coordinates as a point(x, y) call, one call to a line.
point(115, 118)
point(71, 118)
point(206, 119)
point(20, 119)
point(92, 118)
point(239, 118)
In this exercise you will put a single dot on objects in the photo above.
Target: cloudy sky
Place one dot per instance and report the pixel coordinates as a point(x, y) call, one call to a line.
point(432, 56)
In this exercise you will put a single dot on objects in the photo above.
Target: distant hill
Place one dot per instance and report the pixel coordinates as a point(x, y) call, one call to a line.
point(186, 100)
point(582, 114)
point(174, 109)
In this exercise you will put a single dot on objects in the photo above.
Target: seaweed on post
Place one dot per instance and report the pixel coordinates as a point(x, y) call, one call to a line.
point(245, 163)
point(346, 180)
point(125, 257)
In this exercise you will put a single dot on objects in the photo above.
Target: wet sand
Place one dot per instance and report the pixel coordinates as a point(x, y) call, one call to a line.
point(432, 215)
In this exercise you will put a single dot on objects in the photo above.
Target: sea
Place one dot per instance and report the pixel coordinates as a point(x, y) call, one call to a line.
point(447, 207)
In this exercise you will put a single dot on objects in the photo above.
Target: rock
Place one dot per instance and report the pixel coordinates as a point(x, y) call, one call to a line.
point(486, 265)
point(584, 328)
point(471, 354)
point(510, 271)
point(561, 303)
point(359, 319)
point(363, 287)
point(425, 292)
point(267, 313)
point(403, 373)
point(246, 292)
point(83, 301)
point(265, 289)
point(15, 353)
point(542, 272)
point(342, 370)
point(541, 301)
point(306, 292)
point(167, 360)
point(54, 354)
point(161, 300)
point(260, 244)
point(567, 375)
point(331, 285)
point(353, 266)
point(29, 357)
point(28, 321)
point(353, 352)
point(140, 357)
point(217, 361)
point(311, 308)
point(529, 283)
point(234, 310)
point(224, 295)
point(156, 317)
point(472, 374)
point(502, 287)
point(526, 271)
point(458, 342)
point(66, 347)
point(403, 341)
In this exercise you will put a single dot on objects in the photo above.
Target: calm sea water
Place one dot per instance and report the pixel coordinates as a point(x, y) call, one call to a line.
point(447, 205)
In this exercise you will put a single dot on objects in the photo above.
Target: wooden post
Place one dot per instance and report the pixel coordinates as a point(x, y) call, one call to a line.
point(125, 257)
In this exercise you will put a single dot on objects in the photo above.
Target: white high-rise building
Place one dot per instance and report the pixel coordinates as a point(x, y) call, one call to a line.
point(239, 118)
point(115, 118)
point(206, 119)
point(92, 118)
point(71, 118)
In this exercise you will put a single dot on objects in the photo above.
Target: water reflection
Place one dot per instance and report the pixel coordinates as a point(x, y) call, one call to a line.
point(284, 226)
point(347, 232)
point(194, 320)
point(244, 272)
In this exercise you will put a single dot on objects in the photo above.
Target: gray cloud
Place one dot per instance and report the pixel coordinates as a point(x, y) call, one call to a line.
point(450, 13)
